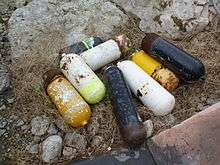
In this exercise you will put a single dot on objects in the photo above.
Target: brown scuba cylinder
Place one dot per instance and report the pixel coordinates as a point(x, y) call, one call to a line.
point(180, 62)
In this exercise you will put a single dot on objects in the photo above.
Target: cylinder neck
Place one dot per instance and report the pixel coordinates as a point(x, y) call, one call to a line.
point(124, 43)
point(133, 53)
point(147, 41)
point(49, 76)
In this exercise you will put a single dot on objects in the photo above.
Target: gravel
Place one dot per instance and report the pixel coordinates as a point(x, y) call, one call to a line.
point(51, 148)
point(36, 139)
point(69, 152)
point(52, 129)
point(2, 107)
point(76, 141)
point(39, 125)
point(149, 127)
point(60, 123)
point(93, 127)
point(33, 149)
point(169, 119)
point(4, 79)
point(19, 123)
point(2, 132)
point(3, 122)
point(97, 141)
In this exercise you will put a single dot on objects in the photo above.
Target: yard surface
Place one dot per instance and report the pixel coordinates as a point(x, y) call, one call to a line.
point(31, 100)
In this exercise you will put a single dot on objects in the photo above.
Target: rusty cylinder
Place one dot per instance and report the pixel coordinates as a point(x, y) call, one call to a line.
point(83, 78)
point(68, 101)
point(124, 108)
point(156, 70)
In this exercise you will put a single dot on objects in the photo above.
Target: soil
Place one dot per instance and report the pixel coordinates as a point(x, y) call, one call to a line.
point(31, 100)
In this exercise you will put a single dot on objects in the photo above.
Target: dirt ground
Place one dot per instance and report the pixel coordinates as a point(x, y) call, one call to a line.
point(32, 101)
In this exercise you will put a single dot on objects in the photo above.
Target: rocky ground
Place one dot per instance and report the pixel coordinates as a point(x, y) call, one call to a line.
point(31, 34)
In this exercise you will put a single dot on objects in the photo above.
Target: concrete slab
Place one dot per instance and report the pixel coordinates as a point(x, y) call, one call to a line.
point(196, 141)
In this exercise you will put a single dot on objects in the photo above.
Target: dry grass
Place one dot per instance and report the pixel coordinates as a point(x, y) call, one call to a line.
point(32, 100)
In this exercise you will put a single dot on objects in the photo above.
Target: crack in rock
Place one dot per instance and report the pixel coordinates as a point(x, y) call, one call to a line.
point(168, 17)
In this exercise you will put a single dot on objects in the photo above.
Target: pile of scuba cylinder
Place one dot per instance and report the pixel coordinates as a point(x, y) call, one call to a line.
point(150, 73)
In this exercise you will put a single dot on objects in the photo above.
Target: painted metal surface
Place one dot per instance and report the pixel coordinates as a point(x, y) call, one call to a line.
point(155, 69)
point(146, 62)
point(124, 108)
point(71, 105)
point(180, 62)
point(102, 54)
point(149, 91)
point(83, 78)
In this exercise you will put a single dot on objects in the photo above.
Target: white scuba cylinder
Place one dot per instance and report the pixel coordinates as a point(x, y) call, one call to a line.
point(83, 78)
point(150, 92)
point(102, 54)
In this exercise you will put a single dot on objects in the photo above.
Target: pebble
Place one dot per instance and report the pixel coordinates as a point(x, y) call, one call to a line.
point(33, 148)
point(10, 100)
point(60, 123)
point(168, 119)
point(19, 123)
point(200, 107)
point(193, 100)
point(3, 107)
point(97, 141)
point(203, 98)
point(2, 132)
point(6, 134)
point(13, 118)
point(9, 96)
point(1, 28)
point(211, 101)
point(5, 19)
point(25, 128)
point(3, 122)
point(4, 78)
point(149, 127)
point(52, 129)
point(76, 141)
point(51, 148)
point(39, 125)
point(36, 139)
point(93, 127)
point(69, 152)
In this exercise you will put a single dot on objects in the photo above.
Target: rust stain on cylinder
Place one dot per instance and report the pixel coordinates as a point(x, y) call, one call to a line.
point(166, 78)
point(68, 101)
